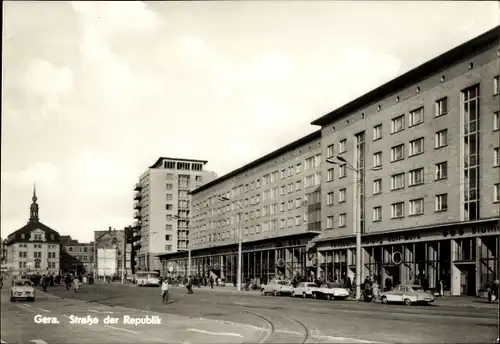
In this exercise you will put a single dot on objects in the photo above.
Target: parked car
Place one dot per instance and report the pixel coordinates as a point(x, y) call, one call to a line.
point(329, 291)
point(407, 294)
point(22, 289)
point(304, 289)
point(277, 288)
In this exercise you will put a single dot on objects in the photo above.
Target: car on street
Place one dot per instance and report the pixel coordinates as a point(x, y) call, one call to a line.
point(407, 294)
point(22, 289)
point(304, 289)
point(330, 291)
point(277, 288)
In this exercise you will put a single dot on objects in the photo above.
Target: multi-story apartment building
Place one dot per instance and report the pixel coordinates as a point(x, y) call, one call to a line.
point(33, 248)
point(273, 202)
point(76, 258)
point(163, 206)
point(423, 187)
point(413, 165)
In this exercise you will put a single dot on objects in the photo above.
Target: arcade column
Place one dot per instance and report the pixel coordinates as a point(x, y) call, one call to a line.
point(454, 270)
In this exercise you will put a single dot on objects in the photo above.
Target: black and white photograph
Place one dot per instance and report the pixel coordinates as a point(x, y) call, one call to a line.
point(237, 172)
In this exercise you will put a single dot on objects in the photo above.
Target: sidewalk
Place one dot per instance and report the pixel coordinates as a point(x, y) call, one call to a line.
point(452, 301)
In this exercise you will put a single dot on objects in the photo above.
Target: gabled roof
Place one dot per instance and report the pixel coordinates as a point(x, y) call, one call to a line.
point(17, 236)
point(415, 75)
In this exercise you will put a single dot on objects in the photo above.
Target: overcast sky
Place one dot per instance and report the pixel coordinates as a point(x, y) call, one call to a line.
point(93, 93)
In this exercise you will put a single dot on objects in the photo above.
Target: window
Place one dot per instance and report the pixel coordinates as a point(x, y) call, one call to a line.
point(298, 168)
point(377, 132)
point(397, 210)
point(416, 116)
point(329, 222)
point(442, 170)
point(283, 174)
point(342, 195)
point(329, 198)
point(441, 138)
point(377, 159)
point(298, 185)
point(417, 206)
point(343, 146)
point(330, 174)
point(377, 186)
point(329, 151)
point(441, 107)
point(282, 206)
point(496, 85)
point(496, 192)
point(37, 264)
point(398, 124)
point(398, 153)
point(397, 181)
point(298, 202)
point(416, 177)
point(377, 214)
point(496, 157)
point(416, 146)
point(342, 220)
point(169, 186)
point(168, 206)
point(496, 120)
point(342, 171)
point(441, 202)
point(282, 190)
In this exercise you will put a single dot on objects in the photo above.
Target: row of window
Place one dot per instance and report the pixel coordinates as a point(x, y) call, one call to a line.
point(23, 265)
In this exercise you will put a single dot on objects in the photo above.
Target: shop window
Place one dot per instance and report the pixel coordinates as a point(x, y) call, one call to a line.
point(489, 268)
point(466, 249)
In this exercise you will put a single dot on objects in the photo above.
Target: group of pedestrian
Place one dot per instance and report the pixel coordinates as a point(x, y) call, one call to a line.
point(492, 288)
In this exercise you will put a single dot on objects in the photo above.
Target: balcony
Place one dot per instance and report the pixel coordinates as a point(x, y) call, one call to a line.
point(137, 205)
point(137, 196)
point(137, 187)
point(137, 224)
point(137, 215)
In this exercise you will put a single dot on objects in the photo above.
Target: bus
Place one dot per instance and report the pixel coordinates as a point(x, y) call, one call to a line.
point(148, 278)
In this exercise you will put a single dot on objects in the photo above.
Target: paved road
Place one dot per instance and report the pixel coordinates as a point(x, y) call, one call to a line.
point(19, 324)
point(285, 319)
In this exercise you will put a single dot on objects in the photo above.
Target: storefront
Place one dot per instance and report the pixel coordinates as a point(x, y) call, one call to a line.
point(465, 258)
point(285, 258)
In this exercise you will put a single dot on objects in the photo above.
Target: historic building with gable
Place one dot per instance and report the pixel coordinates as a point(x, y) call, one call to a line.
point(34, 248)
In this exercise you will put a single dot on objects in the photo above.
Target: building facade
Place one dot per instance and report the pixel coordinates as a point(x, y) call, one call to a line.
point(33, 248)
point(112, 253)
point(76, 258)
point(162, 207)
point(423, 189)
point(273, 202)
point(413, 165)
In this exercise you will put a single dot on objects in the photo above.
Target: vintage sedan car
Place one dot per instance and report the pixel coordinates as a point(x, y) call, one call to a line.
point(407, 294)
point(22, 289)
point(329, 291)
point(304, 289)
point(277, 288)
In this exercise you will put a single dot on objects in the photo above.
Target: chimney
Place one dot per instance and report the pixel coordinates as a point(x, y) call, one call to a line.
point(109, 228)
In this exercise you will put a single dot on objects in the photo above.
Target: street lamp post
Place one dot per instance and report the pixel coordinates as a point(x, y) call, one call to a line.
point(358, 218)
point(238, 273)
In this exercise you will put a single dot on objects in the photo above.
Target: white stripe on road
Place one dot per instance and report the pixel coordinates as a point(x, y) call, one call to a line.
point(38, 341)
point(349, 340)
point(94, 311)
point(121, 329)
point(44, 310)
point(216, 333)
point(27, 305)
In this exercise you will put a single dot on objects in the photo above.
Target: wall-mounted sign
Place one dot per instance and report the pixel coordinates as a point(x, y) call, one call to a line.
point(414, 236)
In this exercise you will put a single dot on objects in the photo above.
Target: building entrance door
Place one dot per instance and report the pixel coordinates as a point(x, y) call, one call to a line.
point(467, 278)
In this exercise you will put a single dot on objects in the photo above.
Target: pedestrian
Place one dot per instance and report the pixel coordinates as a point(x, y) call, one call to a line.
point(189, 286)
point(441, 289)
point(76, 284)
point(67, 281)
point(164, 291)
point(211, 282)
point(44, 283)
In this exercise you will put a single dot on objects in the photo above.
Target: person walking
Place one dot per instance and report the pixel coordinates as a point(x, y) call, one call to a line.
point(164, 291)
point(76, 284)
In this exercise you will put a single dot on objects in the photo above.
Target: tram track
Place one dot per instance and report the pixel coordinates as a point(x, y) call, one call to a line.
point(273, 328)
